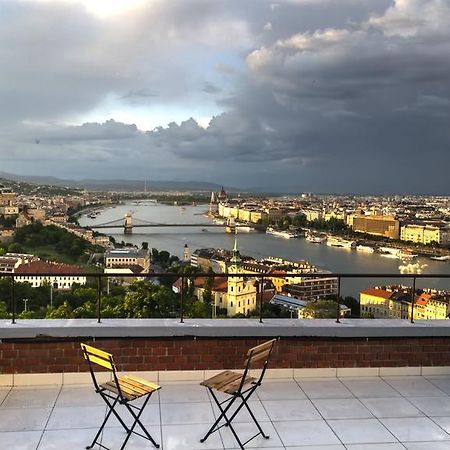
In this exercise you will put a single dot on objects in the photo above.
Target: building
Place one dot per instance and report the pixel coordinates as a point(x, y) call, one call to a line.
point(425, 234)
point(59, 276)
point(120, 258)
point(7, 197)
point(311, 288)
point(11, 261)
point(394, 302)
point(386, 226)
point(241, 293)
point(9, 264)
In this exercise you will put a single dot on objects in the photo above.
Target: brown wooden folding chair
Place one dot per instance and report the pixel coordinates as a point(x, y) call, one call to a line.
point(120, 391)
point(239, 386)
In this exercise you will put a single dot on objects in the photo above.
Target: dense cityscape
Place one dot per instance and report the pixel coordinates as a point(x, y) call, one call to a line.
point(40, 233)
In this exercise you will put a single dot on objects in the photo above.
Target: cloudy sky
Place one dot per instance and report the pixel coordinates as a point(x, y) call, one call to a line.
point(294, 95)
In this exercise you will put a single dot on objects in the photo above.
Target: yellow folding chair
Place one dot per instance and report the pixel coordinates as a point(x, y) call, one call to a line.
point(120, 391)
point(239, 386)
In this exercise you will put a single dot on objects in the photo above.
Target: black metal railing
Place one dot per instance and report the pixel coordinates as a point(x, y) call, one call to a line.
point(261, 277)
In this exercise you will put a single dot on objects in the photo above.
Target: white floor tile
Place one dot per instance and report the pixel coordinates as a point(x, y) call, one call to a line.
point(304, 433)
point(20, 440)
point(443, 422)
point(282, 410)
point(317, 447)
point(432, 406)
point(68, 417)
point(22, 419)
point(345, 408)
point(286, 390)
point(79, 396)
point(183, 393)
point(30, 397)
point(442, 383)
point(369, 387)
point(61, 440)
point(427, 445)
point(391, 446)
point(324, 388)
point(187, 437)
point(3, 394)
point(415, 429)
point(246, 431)
point(186, 413)
point(362, 431)
point(414, 387)
point(391, 407)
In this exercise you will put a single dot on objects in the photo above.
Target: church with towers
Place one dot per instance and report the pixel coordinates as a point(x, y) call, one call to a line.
point(236, 294)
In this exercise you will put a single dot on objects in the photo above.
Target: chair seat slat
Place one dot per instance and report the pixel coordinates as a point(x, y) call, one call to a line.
point(141, 389)
point(232, 387)
point(221, 379)
point(141, 381)
point(262, 347)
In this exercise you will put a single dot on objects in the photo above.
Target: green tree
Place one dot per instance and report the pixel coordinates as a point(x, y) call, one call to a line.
point(320, 309)
point(4, 314)
point(63, 311)
point(146, 299)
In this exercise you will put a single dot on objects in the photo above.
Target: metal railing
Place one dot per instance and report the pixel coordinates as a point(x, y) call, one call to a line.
point(261, 277)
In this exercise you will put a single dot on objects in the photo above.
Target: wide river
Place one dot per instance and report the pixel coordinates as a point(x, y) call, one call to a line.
point(173, 239)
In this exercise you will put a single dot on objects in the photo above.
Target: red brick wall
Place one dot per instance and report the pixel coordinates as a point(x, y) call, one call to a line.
point(139, 354)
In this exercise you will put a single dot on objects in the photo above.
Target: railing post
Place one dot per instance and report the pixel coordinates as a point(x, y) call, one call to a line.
point(261, 294)
point(413, 299)
point(99, 299)
point(182, 301)
point(13, 299)
point(338, 306)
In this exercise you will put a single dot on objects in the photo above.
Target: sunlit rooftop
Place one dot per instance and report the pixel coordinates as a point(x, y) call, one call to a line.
point(389, 413)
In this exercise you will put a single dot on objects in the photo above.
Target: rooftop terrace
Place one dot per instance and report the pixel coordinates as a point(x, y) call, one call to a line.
point(364, 413)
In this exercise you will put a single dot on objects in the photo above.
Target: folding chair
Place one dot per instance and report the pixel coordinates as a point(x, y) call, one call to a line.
point(238, 386)
point(120, 391)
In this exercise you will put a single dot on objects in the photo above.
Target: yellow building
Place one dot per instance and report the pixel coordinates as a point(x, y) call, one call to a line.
point(425, 234)
point(386, 226)
point(375, 302)
point(312, 214)
point(241, 293)
point(384, 303)
point(340, 215)
point(429, 307)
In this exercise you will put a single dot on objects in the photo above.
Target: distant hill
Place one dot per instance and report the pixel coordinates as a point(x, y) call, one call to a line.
point(118, 185)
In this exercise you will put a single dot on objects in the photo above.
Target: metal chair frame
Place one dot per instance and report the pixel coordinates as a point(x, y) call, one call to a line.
point(242, 394)
point(99, 357)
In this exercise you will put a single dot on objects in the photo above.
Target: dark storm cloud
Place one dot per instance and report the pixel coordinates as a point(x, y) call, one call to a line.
point(332, 96)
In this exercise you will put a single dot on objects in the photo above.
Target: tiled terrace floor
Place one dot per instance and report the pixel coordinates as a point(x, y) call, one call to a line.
point(390, 413)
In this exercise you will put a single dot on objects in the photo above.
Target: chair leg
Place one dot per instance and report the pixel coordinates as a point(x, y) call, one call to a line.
point(111, 409)
point(244, 402)
point(138, 422)
point(256, 422)
point(222, 415)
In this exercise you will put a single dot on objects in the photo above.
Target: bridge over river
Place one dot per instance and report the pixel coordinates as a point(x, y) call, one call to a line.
point(130, 222)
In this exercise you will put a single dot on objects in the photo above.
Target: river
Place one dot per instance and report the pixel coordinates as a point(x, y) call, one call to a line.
point(255, 244)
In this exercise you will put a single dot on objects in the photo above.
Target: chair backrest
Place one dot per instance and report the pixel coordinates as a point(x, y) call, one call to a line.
point(259, 354)
point(100, 358)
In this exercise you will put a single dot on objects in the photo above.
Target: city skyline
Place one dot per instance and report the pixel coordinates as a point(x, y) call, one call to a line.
point(292, 95)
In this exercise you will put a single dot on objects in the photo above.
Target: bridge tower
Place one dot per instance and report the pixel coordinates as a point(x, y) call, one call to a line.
point(128, 223)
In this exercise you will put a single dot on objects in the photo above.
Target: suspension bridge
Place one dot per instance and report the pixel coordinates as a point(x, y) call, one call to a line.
point(130, 222)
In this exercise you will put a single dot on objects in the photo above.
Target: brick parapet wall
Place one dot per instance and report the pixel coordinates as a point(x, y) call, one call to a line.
point(57, 355)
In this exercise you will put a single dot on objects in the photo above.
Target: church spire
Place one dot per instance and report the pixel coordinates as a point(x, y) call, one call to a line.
point(236, 258)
